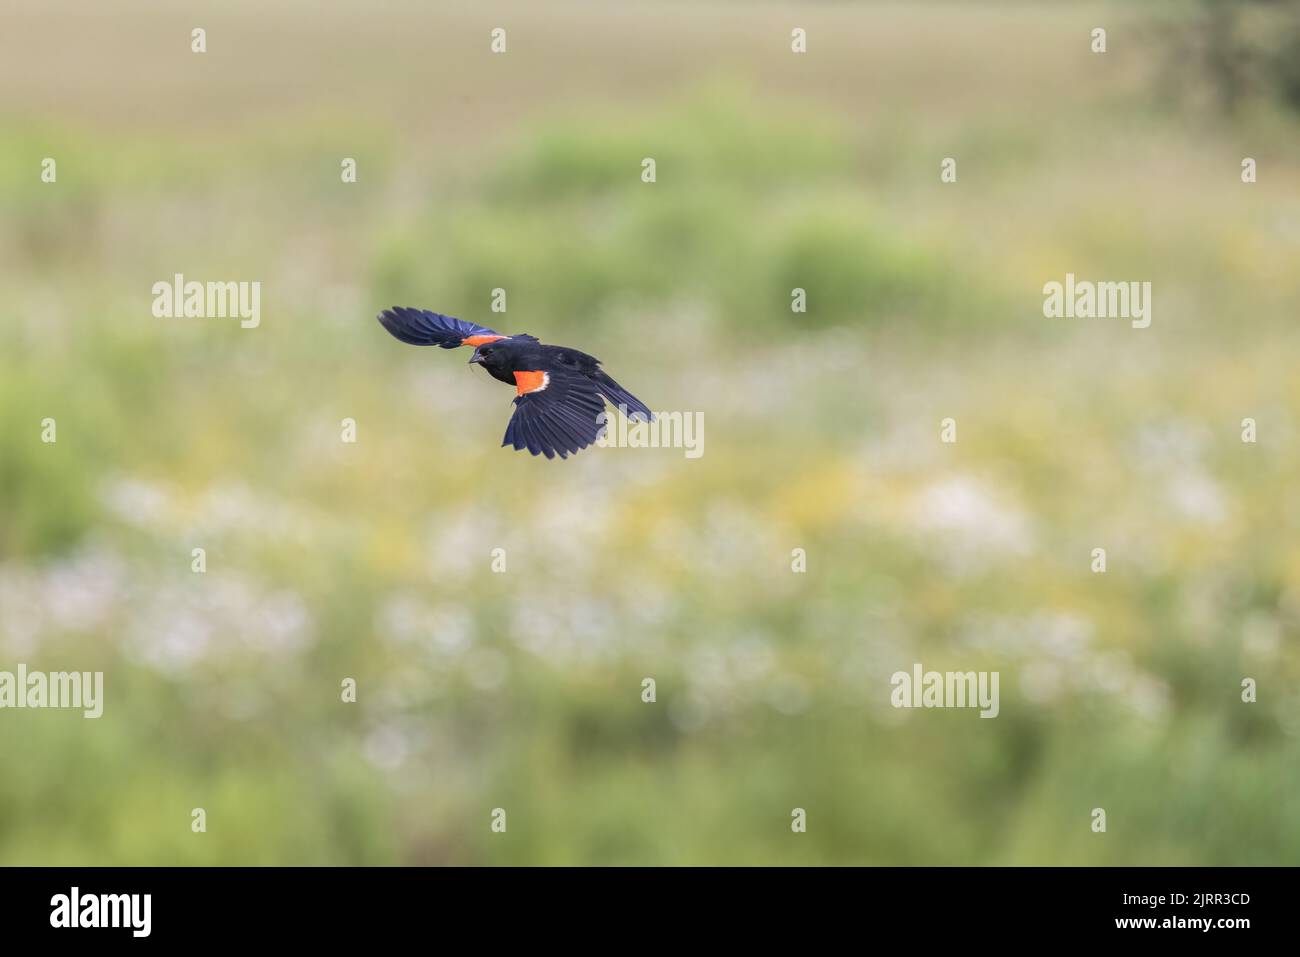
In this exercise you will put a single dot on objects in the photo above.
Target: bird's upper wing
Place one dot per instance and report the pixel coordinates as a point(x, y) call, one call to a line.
point(420, 327)
point(556, 411)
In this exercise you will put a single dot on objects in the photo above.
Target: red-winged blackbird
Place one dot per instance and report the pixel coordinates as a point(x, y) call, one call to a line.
point(560, 404)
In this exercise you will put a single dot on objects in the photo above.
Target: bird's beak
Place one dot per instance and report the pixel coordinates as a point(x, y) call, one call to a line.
point(476, 358)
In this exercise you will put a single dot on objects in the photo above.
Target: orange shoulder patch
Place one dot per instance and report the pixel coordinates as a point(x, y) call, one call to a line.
point(480, 340)
point(526, 382)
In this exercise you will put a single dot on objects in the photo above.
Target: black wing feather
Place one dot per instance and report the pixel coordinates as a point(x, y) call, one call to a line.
point(560, 419)
point(420, 327)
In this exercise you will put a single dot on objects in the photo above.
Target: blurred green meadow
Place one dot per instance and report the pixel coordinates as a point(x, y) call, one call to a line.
point(372, 560)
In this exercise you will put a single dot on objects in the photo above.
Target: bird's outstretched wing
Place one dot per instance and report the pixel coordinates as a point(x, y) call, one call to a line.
point(420, 327)
point(556, 412)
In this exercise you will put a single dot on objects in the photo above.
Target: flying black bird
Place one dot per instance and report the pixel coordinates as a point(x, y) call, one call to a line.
point(561, 392)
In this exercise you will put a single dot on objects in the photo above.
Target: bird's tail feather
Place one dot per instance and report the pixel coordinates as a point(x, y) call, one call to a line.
point(625, 401)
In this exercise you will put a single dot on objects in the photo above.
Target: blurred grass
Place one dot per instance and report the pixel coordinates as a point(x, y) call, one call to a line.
point(522, 690)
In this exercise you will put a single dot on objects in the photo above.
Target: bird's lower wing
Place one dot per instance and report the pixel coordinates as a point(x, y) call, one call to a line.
point(556, 413)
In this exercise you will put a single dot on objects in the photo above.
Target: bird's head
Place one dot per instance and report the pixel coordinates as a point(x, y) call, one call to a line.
point(483, 355)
